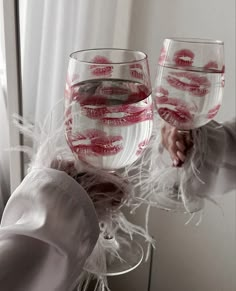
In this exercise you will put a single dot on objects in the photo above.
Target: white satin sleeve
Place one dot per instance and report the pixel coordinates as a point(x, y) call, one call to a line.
point(217, 172)
point(49, 228)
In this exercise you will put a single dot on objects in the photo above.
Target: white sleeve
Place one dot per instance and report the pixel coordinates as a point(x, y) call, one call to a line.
point(217, 171)
point(49, 228)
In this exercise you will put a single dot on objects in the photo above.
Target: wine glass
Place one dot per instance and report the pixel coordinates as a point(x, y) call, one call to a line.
point(189, 85)
point(109, 118)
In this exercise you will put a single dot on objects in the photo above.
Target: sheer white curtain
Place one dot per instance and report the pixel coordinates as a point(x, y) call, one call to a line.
point(51, 30)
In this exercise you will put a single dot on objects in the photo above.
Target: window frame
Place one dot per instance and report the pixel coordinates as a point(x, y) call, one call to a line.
point(14, 87)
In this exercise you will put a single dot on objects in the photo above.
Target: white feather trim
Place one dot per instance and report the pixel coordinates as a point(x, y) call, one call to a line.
point(151, 180)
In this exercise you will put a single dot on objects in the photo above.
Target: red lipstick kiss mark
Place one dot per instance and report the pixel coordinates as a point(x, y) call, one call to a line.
point(130, 115)
point(191, 82)
point(142, 146)
point(102, 71)
point(136, 71)
point(94, 106)
point(183, 58)
point(138, 93)
point(136, 97)
point(161, 92)
point(95, 143)
point(136, 66)
point(175, 117)
point(101, 60)
point(68, 119)
point(211, 65)
point(212, 112)
point(176, 111)
point(114, 91)
point(100, 68)
point(176, 102)
point(94, 100)
point(162, 56)
point(123, 115)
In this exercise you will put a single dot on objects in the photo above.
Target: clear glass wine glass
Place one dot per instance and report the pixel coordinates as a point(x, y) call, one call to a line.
point(189, 85)
point(109, 118)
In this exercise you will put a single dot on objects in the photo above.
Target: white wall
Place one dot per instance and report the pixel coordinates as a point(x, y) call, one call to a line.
point(190, 258)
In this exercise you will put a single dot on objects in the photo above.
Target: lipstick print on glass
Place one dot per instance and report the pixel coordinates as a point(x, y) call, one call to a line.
point(189, 84)
point(103, 130)
point(184, 58)
point(101, 66)
point(95, 143)
point(196, 84)
point(110, 111)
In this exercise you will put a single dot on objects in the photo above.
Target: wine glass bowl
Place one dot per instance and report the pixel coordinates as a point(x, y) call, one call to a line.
point(109, 108)
point(190, 80)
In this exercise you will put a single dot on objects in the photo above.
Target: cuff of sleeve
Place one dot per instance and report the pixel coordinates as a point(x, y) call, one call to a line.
point(51, 206)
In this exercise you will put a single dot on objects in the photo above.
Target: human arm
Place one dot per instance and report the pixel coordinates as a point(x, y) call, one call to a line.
point(212, 153)
point(49, 228)
point(216, 173)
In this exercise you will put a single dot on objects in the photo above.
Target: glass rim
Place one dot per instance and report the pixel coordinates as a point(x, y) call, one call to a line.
point(144, 56)
point(195, 40)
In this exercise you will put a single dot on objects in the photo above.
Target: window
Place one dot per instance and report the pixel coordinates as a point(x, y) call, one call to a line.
point(2, 53)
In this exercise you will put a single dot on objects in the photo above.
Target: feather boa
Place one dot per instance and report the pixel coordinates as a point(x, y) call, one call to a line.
point(151, 181)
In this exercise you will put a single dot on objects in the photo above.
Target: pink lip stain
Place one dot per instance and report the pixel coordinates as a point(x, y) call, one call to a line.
point(161, 92)
point(109, 90)
point(212, 112)
point(102, 71)
point(183, 58)
point(162, 56)
point(136, 71)
point(211, 65)
point(99, 68)
point(137, 96)
point(142, 146)
point(131, 115)
point(179, 115)
point(68, 119)
point(95, 142)
point(127, 114)
point(191, 82)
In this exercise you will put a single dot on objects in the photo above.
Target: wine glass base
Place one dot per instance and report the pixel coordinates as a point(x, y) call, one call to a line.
point(170, 201)
point(130, 255)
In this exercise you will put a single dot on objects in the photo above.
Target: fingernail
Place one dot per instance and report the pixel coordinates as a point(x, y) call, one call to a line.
point(181, 156)
point(175, 162)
